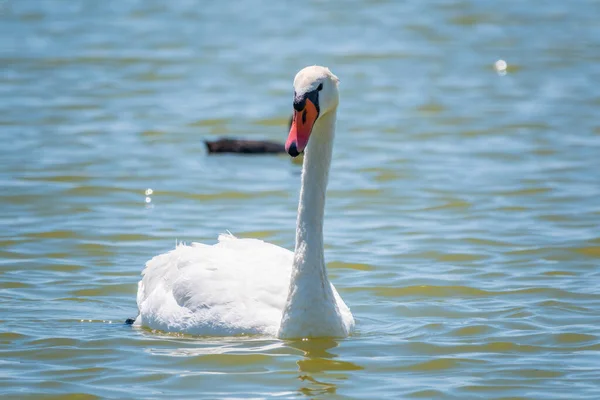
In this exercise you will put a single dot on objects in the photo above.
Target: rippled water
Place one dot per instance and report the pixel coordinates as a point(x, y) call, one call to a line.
point(463, 216)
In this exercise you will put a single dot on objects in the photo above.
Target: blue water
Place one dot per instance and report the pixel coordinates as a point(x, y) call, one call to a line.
point(463, 213)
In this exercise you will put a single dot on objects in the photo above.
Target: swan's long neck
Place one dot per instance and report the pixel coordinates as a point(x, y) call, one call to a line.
point(311, 308)
point(308, 255)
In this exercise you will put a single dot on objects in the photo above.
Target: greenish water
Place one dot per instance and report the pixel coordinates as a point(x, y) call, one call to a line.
point(463, 216)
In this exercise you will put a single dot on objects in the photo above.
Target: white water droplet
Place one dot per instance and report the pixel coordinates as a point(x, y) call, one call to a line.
point(148, 200)
point(500, 66)
point(149, 191)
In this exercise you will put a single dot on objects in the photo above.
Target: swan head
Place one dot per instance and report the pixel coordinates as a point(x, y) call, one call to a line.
point(315, 94)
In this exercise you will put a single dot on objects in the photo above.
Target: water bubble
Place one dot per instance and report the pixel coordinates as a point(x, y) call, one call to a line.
point(148, 200)
point(500, 67)
point(149, 191)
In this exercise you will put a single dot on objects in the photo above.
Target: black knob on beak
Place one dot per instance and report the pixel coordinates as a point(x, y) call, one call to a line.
point(293, 150)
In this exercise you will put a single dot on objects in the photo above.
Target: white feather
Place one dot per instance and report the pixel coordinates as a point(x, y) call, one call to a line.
point(235, 287)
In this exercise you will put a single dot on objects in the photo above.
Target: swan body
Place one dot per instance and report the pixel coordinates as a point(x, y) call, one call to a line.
point(248, 286)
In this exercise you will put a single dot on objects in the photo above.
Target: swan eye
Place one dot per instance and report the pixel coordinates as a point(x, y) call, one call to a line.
point(320, 87)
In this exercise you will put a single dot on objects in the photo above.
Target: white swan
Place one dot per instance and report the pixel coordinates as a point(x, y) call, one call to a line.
point(247, 286)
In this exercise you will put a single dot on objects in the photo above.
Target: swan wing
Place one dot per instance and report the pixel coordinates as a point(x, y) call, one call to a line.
point(236, 286)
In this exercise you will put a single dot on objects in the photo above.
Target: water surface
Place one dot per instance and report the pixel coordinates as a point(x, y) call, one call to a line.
point(463, 214)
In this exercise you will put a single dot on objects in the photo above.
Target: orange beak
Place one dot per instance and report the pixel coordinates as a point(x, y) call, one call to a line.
point(301, 129)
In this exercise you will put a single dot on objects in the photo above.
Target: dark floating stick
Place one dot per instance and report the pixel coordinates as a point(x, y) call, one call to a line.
point(227, 145)
point(242, 146)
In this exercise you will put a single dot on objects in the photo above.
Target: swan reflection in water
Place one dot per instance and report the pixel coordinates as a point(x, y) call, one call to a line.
point(320, 363)
point(319, 368)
